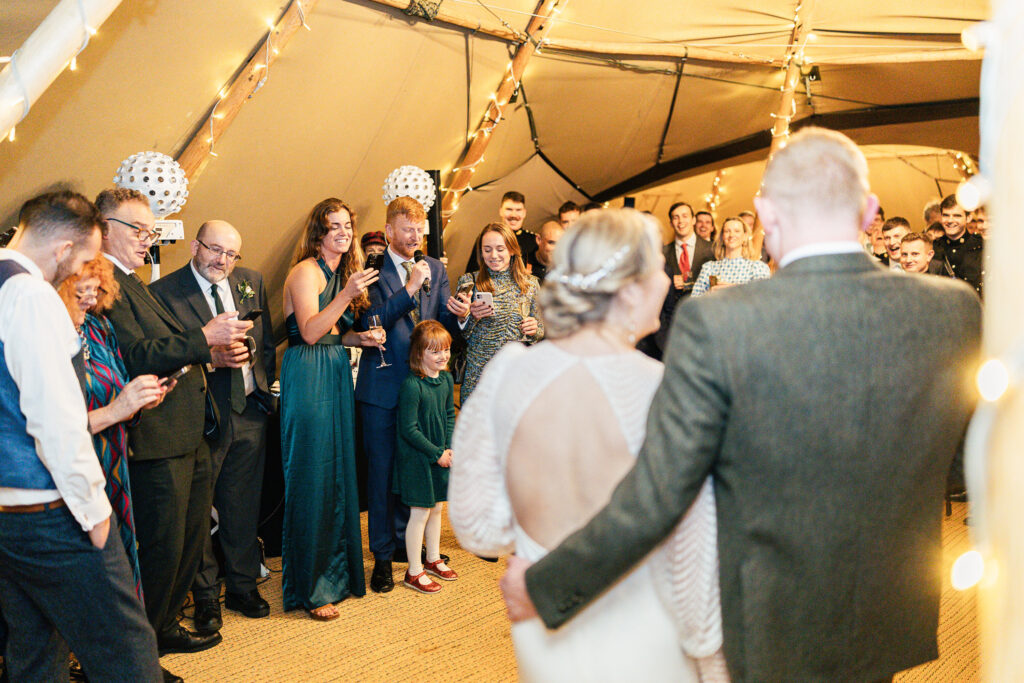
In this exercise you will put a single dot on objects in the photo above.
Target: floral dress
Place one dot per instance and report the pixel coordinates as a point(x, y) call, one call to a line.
point(486, 336)
point(736, 271)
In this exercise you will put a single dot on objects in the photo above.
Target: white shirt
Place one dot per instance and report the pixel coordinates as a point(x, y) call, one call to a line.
point(691, 244)
point(224, 289)
point(39, 341)
point(821, 249)
point(122, 267)
point(398, 261)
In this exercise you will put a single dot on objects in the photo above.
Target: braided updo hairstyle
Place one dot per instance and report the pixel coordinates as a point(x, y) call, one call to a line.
point(600, 253)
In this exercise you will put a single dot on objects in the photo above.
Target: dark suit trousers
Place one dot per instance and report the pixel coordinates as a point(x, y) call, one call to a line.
point(237, 465)
point(387, 517)
point(58, 591)
point(171, 498)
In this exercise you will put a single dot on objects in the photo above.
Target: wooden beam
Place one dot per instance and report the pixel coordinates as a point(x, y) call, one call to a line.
point(840, 120)
point(677, 51)
point(461, 175)
point(250, 78)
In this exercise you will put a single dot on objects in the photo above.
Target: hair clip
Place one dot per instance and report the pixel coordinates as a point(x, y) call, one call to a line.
point(580, 281)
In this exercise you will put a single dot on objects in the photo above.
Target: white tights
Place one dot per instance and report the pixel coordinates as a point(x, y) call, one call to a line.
point(424, 525)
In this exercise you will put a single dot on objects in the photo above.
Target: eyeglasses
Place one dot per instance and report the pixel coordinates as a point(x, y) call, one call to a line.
point(218, 252)
point(144, 234)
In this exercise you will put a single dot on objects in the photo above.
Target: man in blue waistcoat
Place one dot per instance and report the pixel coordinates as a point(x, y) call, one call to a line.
point(64, 576)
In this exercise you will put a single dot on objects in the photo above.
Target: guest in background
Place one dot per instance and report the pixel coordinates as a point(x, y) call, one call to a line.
point(539, 261)
point(735, 264)
point(513, 216)
point(238, 380)
point(978, 224)
point(893, 231)
point(916, 254)
point(373, 243)
point(426, 419)
point(958, 252)
point(704, 225)
point(567, 213)
point(511, 312)
point(324, 292)
point(112, 399)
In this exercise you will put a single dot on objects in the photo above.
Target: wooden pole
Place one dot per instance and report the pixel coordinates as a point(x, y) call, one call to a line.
point(462, 173)
point(253, 75)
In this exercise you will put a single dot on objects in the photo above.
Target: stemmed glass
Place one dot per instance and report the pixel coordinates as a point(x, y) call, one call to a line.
point(377, 332)
point(524, 310)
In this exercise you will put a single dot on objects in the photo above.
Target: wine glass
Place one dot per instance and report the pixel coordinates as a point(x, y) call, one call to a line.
point(377, 332)
point(524, 310)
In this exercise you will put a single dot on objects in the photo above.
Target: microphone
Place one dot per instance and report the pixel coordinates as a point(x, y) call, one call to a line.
point(417, 257)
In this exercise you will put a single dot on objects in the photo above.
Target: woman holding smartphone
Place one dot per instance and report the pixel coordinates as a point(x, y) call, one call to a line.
point(503, 302)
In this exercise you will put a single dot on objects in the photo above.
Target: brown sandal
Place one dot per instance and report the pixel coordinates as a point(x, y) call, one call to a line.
point(319, 616)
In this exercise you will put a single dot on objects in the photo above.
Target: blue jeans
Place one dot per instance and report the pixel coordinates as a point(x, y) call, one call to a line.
point(58, 591)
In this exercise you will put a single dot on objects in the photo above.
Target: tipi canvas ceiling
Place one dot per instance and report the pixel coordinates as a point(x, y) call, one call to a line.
point(369, 89)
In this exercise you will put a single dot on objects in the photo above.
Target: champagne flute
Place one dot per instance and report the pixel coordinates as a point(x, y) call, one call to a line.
point(377, 332)
point(524, 310)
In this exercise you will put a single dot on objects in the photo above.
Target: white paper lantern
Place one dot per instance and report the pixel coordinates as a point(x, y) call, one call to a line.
point(157, 176)
point(410, 181)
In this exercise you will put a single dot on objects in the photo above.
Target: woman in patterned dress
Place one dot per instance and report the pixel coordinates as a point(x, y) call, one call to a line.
point(735, 264)
point(112, 400)
point(513, 315)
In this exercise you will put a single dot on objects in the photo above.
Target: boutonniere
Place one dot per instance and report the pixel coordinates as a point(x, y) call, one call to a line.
point(245, 291)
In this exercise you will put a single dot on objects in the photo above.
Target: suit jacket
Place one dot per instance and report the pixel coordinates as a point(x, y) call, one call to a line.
point(153, 341)
point(181, 294)
point(390, 300)
point(703, 251)
point(829, 467)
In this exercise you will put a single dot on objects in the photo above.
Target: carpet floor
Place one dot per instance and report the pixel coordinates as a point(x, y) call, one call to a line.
point(461, 633)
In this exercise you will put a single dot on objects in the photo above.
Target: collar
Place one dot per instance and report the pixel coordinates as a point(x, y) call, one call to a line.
point(397, 258)
point(124, 269)
point(28, 264)
point(203, 283)
point(820, 249)
point(690, 241)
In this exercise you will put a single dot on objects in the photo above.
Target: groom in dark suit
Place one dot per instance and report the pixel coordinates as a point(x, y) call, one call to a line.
point(170, 459)
point(828, 531)
point(406, 293)
point(210, 284)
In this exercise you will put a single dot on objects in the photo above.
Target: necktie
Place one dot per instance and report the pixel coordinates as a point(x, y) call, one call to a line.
point(237, 383)
point(415, 297)
point(684, 262)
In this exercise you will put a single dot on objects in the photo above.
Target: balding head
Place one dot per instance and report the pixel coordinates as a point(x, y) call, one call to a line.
point(215, 250)
point(815, 190)
point(547, 238)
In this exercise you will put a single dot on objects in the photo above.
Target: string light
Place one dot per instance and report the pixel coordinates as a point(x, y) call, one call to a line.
point(10, 136)
point(967, 571)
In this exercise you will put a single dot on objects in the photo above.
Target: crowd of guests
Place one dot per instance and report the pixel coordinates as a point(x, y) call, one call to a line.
point(177, 378)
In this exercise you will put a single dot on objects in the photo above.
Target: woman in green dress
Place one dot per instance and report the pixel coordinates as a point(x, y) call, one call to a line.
point(323, 295)
point(512, 313)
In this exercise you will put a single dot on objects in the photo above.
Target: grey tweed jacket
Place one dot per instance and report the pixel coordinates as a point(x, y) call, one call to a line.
point(827, 403)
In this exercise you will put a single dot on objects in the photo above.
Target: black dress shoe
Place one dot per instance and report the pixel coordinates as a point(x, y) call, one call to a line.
point(171, 678)
point(381, 580)
point(250, 604)
point(180, 640)
point(207, 616)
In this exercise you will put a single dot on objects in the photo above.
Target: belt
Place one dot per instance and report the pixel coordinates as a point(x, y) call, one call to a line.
point(38, 507)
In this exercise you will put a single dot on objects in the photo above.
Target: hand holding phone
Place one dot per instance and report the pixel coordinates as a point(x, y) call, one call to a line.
point(170, 379)
point(252, 315)
point(482, 306)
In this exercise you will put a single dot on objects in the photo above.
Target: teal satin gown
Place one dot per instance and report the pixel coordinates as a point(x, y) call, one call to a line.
point(322, 549)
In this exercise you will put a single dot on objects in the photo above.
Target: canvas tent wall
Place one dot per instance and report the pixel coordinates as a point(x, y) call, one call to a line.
point(369, 89)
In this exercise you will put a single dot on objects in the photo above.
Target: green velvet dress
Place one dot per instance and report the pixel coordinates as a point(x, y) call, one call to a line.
point(426, 420)
point(322, 549)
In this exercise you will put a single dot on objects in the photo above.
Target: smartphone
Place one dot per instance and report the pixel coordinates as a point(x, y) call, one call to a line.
point(466, 288)
point(486, 297)
point(177, 375)
point(252, 315)
point(375, 261)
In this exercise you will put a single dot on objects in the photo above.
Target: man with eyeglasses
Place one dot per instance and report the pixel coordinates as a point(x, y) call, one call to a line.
point(170, 459)
point(208, 285)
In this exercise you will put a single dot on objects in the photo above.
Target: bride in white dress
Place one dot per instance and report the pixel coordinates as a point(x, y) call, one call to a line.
point(548, 433)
